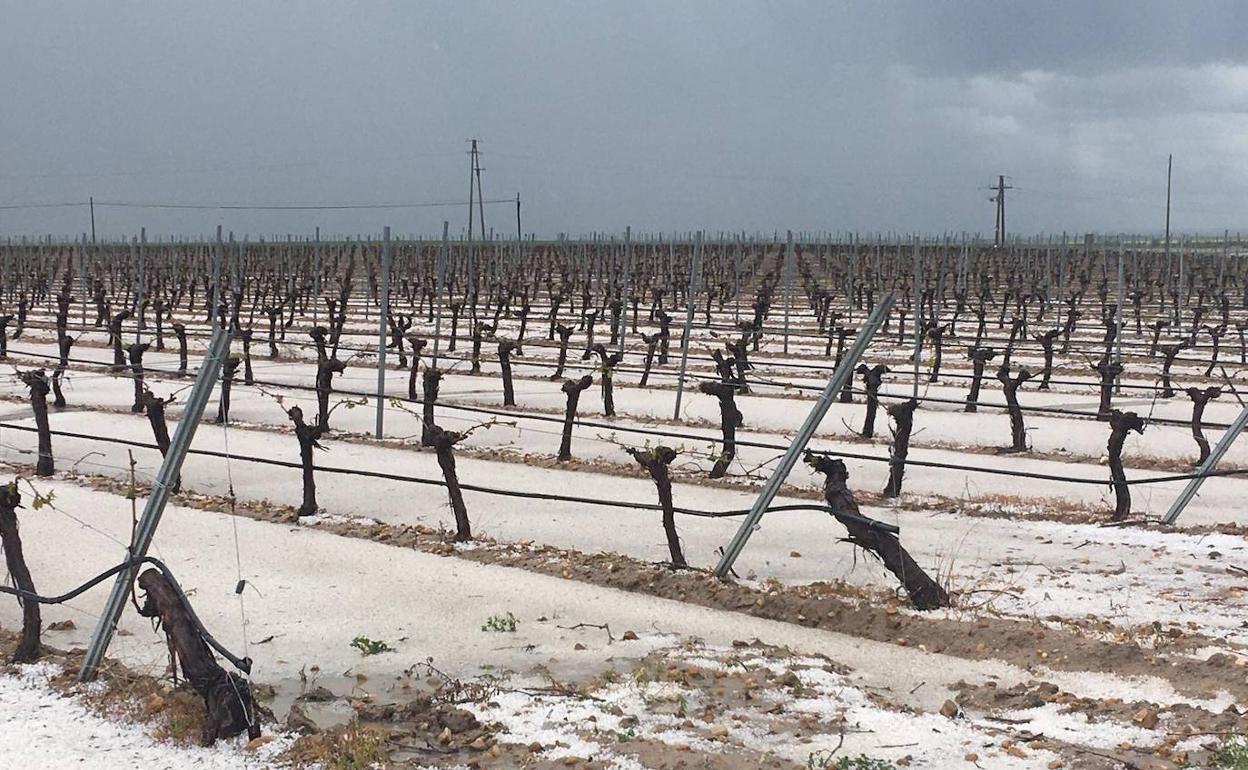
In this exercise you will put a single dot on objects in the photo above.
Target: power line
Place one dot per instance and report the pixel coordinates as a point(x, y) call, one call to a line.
point(250, 206)
point(289, 206)
point(154, 169)
point(1040, 409)
point(625, 504)
point(740, 442)
point(15, 206)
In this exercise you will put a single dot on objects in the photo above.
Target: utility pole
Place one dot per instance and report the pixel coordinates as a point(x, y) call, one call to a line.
point(91, 203)
point(519, 237)
point(474, 187)
point(476, 158)
point(999, 199)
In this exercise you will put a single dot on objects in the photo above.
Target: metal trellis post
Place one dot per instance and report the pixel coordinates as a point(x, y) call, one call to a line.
point(140, 315)
point(316, 278)
point(788, 287)
point(440, 269)
point(1193, 485)
point(1118, 319)
point(381, 329)
point(628, 269)
point(162, 487)
point(84, 287)
point(804, 434)
point(216, 278)
point(916, 311)
point(695, 265)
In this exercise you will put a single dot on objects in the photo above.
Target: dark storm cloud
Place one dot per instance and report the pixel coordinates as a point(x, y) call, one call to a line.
point(662, 115)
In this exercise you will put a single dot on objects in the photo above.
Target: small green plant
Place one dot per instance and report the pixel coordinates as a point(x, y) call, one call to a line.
point(1232, 755)
point(37, 499)
point(503, 624)
point(823, 760)
point(368, 646)
point(863, 762)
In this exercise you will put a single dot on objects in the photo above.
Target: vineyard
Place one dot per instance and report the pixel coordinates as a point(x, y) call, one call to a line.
point(551, 503)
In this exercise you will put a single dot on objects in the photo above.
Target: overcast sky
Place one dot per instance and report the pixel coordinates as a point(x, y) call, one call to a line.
point(660, 115)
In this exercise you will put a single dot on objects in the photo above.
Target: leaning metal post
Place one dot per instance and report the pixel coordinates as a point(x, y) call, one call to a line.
point(1193, 485)
point(839, 377)
point(170, 467)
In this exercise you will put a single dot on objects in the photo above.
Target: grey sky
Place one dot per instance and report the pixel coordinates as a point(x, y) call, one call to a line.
point(660, 115)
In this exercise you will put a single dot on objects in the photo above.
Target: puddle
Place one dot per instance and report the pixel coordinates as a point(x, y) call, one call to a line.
point(335, 709)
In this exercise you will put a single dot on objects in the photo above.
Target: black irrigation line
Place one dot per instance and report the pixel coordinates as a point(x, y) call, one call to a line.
point(540, 312)
point(1087, 334)
point(229, 456)
point(578, 365)
point(1141, 339)
point(494, 412)
point(537, 417)
point(760, 364)
point(651, 506)
point(763, 363)
point(242, 664)
point(1032, 474)
point(126, 373)
point(898, 376)
point(1021, 345)
point(1172, 422)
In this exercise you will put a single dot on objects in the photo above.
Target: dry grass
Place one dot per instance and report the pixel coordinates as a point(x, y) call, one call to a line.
point(352, 746)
